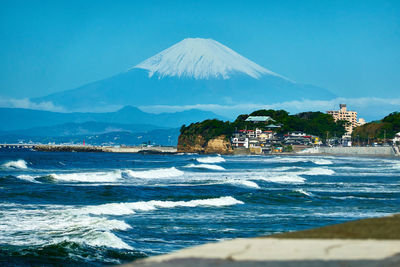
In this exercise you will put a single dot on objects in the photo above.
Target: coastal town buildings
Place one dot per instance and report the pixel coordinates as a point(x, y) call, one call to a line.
point(263, 142)
point(346, 115)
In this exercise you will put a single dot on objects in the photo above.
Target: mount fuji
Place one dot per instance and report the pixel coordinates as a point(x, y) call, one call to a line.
point(193, 71)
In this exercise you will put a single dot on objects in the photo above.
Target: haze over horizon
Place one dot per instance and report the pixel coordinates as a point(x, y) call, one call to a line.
point(352, 51)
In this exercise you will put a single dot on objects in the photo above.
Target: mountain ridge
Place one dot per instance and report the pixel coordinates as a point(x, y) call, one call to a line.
point(200, 58)
point(13, 119)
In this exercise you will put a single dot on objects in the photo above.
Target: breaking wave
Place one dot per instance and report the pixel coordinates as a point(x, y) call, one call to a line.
point(132, 207)
point(245, 183)
point(218, 159)
point(156, 173)
point(16, 164)
point(56, 225)
point(26, 177)
point(319, 171)
point(88, 176)
point(301, 191)
point(206, 166)
point(322, 162)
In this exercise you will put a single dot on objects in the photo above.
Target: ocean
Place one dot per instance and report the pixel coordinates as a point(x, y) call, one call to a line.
point(93, 209)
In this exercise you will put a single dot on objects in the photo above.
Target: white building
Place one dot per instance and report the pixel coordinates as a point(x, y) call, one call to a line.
point(346, 115)
point(396, 139)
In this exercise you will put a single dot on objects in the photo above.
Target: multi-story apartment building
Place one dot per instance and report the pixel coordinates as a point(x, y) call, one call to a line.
point(346, 115)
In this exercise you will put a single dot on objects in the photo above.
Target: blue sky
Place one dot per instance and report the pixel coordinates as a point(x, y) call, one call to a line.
point(349, 47)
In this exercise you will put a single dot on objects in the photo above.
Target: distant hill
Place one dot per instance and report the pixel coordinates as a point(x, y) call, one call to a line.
point(85, 128)
point(12, 119)
point(167, 137)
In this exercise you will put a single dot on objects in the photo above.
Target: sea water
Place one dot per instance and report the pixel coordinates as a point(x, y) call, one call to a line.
point(102, 208)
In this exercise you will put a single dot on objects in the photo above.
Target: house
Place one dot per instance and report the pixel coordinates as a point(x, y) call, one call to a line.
point(298, 138)
point(273, 126)
point(258, 119)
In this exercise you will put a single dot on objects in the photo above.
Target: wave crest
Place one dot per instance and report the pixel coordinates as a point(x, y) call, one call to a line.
point(55, 224)
point(16, 164)
point(283, 179)
point(156, 173)
point(245, 183)
point(322, 162)
point(218, 159)
point(130, 208)
point(319, 171)
point(206, 166)
point(88, 176)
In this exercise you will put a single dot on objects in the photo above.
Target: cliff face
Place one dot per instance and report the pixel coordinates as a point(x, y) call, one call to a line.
point(197, 144)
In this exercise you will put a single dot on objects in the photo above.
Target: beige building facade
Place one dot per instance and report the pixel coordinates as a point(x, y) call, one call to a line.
point(346, 115)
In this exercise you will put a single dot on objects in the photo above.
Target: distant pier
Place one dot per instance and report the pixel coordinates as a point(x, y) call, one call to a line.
point(81, 148)
point(17, 146)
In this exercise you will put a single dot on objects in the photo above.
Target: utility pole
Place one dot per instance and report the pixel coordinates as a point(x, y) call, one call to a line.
point(384, 136)
point(327, 136)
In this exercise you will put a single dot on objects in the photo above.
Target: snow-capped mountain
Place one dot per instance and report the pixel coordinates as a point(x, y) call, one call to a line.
point(201, 59)
point(193, 71)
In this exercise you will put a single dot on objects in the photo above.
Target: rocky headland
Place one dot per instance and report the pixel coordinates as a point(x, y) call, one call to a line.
point(198, 144)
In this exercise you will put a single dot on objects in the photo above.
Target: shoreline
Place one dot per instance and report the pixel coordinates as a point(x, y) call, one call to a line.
point(388, 152)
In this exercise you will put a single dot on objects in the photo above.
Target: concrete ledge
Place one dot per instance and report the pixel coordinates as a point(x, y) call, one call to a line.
point(368, 242)
point(284, 252)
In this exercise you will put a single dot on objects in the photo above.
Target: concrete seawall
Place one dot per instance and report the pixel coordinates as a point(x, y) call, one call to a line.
point(367, 151)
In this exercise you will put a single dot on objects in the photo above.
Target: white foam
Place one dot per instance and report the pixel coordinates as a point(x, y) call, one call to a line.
point(245, 183)
point(206, 166)
point(322, 161)
point(27, 177)
point(155, 173)
point(16, 164)
point(108, 209)
point(104, 239)
point(218, 159)
point(292, 178)
point(111, 176)
point(396, 166)
point(289, 159)
point(319, 171)
point(130, 207)
point(283, 169)
point(301, 191)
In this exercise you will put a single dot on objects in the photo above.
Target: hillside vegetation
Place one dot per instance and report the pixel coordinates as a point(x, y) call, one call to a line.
point(377, 131)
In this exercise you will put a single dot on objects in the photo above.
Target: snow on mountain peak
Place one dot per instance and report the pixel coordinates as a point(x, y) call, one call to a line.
point(201, 59)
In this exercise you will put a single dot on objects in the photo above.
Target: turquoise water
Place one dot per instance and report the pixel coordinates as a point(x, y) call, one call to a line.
point(101, 208)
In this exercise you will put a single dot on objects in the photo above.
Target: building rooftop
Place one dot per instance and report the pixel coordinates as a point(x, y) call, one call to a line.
point(259, 118)
point(273, 126)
